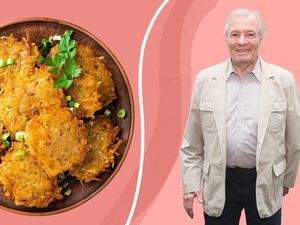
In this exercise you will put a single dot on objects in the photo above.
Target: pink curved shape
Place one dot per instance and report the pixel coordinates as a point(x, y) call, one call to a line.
point(167, 57)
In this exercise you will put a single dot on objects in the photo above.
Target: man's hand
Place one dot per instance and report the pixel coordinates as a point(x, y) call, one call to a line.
point(285, 190)
point(188, 200)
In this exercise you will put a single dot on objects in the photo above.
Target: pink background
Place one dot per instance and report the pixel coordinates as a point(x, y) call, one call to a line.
point(187, 37)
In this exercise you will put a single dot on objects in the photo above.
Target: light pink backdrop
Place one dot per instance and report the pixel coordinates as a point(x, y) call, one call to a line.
point(121, 27)
point(186, 37)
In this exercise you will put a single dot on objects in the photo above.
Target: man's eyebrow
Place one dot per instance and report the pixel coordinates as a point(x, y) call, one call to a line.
point(239, 31)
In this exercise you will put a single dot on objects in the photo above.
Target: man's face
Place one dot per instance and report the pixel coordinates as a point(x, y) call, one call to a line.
point(243, 40)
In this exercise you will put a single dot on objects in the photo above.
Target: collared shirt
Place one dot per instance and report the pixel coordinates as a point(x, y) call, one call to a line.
point(242, 105)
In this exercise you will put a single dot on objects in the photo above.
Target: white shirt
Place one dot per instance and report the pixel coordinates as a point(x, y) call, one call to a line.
point(242, 104)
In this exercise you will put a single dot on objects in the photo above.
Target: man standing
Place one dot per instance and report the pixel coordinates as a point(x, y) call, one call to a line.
point(242, 138)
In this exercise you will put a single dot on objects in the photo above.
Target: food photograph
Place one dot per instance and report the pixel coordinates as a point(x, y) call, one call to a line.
point(65, 115)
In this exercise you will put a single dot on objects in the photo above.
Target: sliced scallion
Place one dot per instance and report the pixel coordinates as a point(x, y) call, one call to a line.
point(71, 104)
point(56, 38)
point(65, 184)
point(10, 61)
point(5, 136)
point(71, 109)
point(107, 112)
point(6, 143)
point(68, 98)
point(6, 139)
point(3, 62)
point(20, 153)
point(76, 105)
point(91, 123)
point(20, 135)
point(121, 113)
point(68, 192)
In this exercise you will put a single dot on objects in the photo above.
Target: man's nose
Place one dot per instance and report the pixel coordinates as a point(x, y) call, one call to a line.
point(242, 40)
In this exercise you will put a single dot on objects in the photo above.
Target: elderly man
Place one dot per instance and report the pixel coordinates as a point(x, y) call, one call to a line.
point(242, 135)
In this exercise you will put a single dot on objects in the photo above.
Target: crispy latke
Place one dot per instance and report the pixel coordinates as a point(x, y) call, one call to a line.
point(94, 65)
point(102, 144)
point(24, 95)
point(84, 91)
point(25, 181)
point(57, 139)
point(24, 54)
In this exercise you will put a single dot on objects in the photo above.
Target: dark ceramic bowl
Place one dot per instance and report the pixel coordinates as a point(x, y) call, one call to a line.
point(39, 28)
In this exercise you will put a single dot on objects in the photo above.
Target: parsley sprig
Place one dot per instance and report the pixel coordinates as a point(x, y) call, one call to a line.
point(63, 63)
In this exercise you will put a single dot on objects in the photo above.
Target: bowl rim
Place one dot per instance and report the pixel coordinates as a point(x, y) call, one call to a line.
point(132, 112)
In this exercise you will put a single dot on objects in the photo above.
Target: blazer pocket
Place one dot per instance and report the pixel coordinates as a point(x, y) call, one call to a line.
point(277, 183)
point(279, 168)
point(207, 114)
point(277, 116)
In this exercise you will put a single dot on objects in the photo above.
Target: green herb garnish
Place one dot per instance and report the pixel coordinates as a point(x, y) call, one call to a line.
point(63, 63)
point(45, 47)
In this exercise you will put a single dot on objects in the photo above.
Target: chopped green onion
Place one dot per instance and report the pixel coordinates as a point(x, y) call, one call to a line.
point(121, 113)
point(5, 136)
point(56, 38)
point(107, 112)
point(20, 135)
point(68, 98)
point(76, 105)
point(65, 184)
point(10, 61)
point(68, 192)
point(3, 62)
point(91, 123)
point(20, 153)
point(6, 139)
point(71, 109)
point(6, 143)
point(71, 104)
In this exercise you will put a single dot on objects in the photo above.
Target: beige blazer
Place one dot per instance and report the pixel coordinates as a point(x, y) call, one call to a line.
point(203, 149)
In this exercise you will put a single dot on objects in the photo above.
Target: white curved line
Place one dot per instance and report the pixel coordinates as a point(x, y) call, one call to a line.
point(140, 79)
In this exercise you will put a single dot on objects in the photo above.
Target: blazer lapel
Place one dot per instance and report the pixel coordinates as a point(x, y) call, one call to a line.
point(218, 99)
point(265, 106)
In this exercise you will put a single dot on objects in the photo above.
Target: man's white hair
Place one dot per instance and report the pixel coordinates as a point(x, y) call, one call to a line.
point(245, 13)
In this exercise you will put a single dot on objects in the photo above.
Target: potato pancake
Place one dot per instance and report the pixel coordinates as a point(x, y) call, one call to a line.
point(84, 91)
point(22, 52)
point(102, 144)
point(25, 95)
point(94, 65)
point(57, 140)
point(25, 181)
